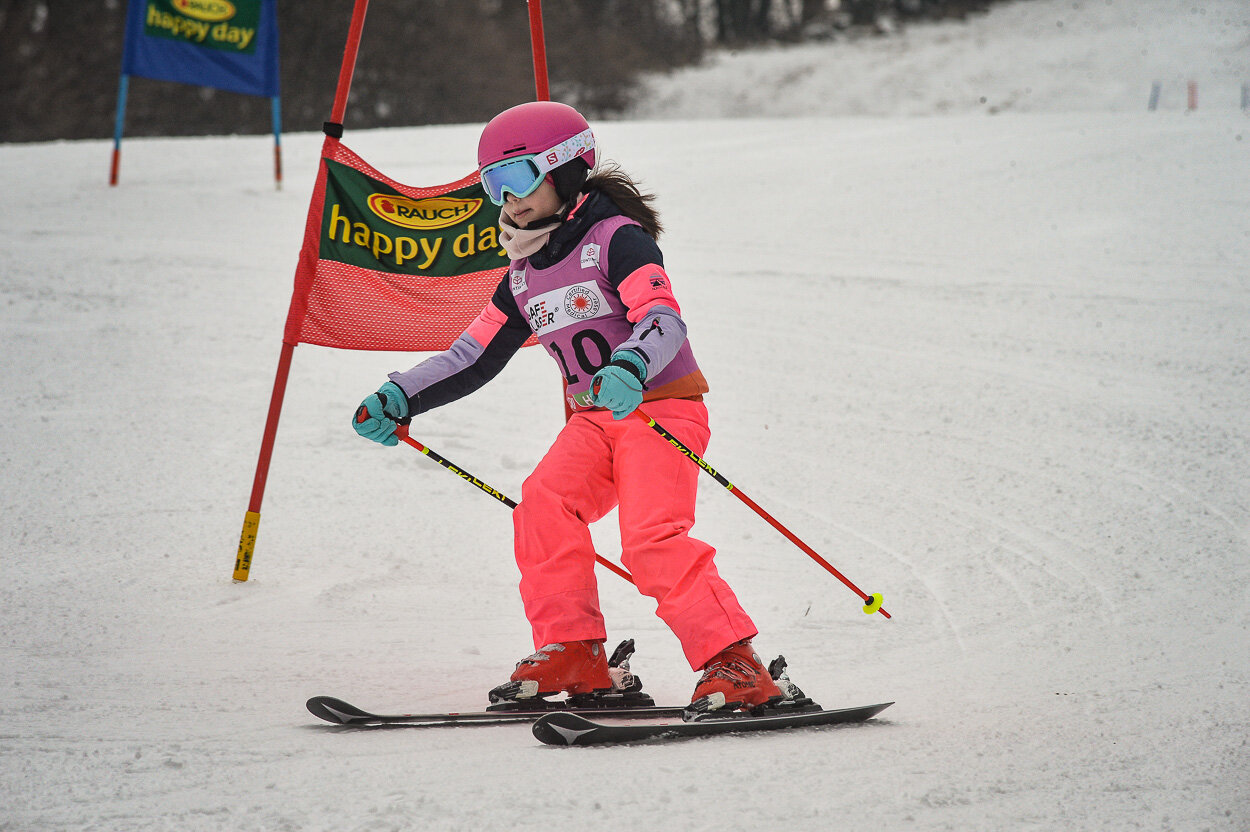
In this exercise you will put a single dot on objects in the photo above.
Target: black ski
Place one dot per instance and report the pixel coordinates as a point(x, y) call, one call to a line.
point(568, 728)
point(625, 701)
point(619, 707)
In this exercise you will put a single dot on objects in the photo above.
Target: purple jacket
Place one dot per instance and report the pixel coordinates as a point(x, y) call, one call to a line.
point(598, 286)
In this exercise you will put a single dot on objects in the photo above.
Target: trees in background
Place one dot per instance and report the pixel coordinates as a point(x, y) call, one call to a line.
point(421, 61)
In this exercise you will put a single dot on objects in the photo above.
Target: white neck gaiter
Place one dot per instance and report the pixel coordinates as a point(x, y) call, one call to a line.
point(522, 242)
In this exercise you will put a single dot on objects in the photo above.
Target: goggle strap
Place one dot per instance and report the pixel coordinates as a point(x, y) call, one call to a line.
point(565, 151)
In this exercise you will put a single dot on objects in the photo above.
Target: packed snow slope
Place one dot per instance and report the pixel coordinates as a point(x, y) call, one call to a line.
point(995, 368)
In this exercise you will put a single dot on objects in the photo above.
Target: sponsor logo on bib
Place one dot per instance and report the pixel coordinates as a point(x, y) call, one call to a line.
point(564, 306)
point(581, 302)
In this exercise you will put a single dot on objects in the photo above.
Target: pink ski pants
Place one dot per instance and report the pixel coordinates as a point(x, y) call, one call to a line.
point(595, 464)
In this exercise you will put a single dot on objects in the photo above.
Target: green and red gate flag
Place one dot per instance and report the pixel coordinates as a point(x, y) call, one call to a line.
point(388, 266)
point(383, 266)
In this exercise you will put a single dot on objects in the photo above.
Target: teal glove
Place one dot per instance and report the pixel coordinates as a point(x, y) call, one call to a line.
point(378, 414)
point(618, 386)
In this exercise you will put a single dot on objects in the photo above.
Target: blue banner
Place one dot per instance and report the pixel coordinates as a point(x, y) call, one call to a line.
point(228, 44)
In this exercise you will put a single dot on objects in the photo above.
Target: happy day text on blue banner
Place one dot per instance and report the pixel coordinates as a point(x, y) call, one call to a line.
point(228, 44)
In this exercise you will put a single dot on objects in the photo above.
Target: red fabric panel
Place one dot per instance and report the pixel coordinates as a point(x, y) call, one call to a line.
point(348, 307)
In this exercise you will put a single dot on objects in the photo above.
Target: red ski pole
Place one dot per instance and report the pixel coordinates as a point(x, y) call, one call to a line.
point(402, 433)
point(872, 603)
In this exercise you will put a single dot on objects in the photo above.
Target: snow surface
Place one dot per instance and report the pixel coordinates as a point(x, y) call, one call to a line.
point(993, 367)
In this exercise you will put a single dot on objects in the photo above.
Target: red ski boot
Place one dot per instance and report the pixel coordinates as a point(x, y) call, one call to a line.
point(735, 679)
point(579, 667)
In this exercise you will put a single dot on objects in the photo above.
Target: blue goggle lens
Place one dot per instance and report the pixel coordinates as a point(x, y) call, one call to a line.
point(519, 177)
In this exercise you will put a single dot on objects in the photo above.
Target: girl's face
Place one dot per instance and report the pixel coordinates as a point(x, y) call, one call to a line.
point(542, 203)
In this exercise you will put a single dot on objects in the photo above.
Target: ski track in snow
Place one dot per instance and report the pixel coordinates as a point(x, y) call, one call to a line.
point(994, 367)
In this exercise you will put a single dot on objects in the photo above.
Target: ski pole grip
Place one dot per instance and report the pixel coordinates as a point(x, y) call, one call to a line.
point(362, 413)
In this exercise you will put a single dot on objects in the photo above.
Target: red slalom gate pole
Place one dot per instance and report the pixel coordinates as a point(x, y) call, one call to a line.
point(538, 46)
point(251, 519)
point(872, 603)
point(348, 67)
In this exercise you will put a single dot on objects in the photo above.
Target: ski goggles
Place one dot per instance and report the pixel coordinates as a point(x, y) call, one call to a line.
point(521, 175)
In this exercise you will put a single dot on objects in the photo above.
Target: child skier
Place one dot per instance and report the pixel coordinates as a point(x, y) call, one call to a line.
point(588, 279)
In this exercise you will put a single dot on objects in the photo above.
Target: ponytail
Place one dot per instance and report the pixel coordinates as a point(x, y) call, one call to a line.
point(618, 187)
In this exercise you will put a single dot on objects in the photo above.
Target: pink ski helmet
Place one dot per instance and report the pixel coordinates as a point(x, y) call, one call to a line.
point(533, 128)
point(526, 144)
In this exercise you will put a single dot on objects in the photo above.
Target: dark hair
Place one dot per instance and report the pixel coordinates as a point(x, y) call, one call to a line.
point(618, 187)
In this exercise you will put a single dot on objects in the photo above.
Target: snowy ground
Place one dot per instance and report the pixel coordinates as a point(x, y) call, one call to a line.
point(995, 368)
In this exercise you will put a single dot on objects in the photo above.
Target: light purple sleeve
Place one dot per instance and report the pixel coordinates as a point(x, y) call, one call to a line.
point(657, 338)
point(460, 356)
